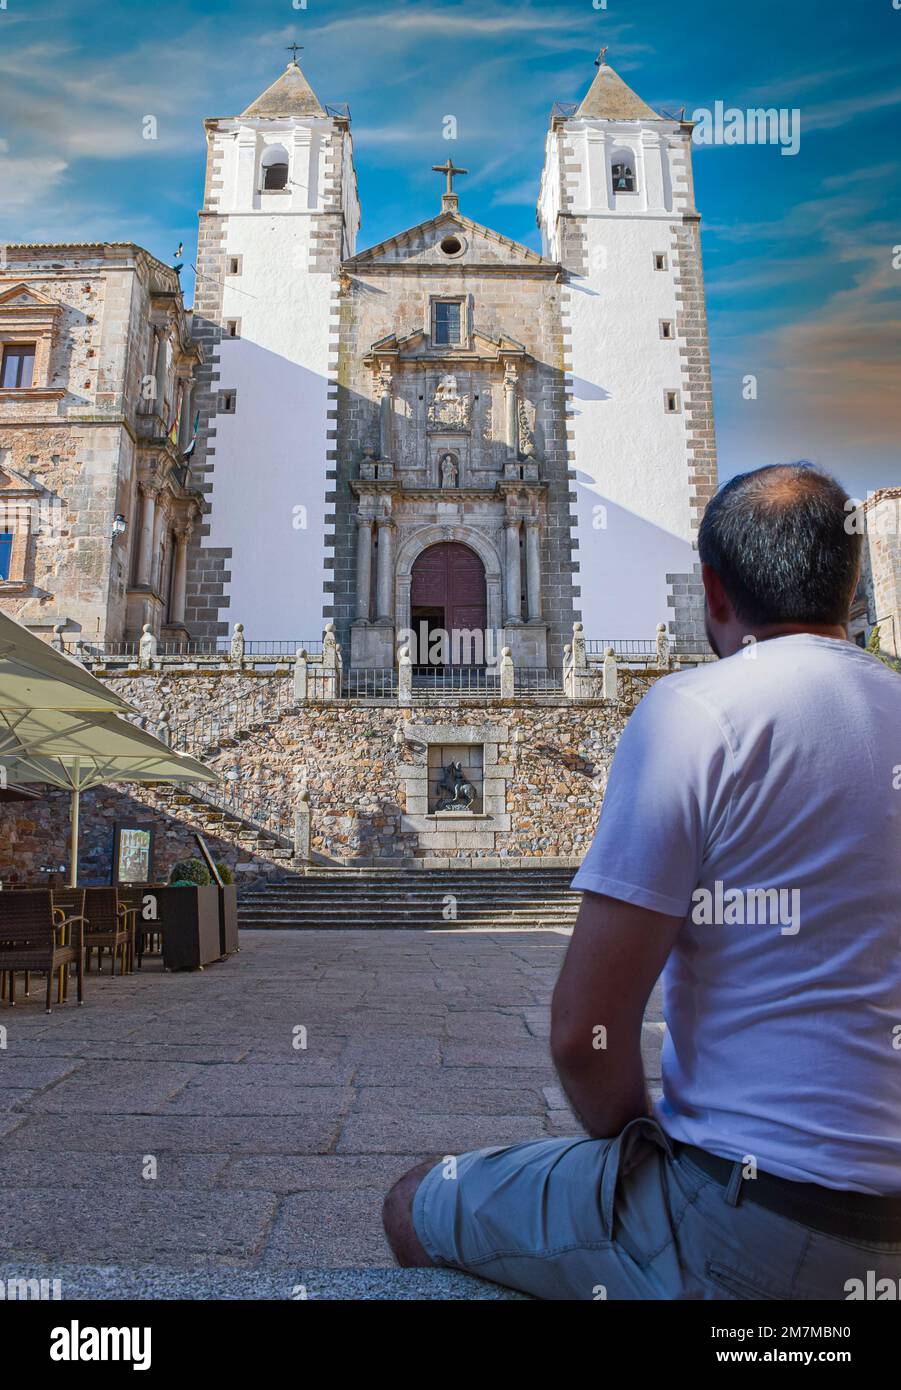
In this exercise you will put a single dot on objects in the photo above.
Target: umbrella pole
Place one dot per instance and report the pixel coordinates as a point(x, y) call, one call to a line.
point(73, 852)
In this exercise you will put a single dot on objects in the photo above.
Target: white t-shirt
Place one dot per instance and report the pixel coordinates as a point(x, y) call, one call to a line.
point(778, 768)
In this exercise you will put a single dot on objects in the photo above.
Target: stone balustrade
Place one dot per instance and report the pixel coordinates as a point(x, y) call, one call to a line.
point(320, 677)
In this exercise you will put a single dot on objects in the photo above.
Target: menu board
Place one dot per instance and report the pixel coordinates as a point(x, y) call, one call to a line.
point(132, 853)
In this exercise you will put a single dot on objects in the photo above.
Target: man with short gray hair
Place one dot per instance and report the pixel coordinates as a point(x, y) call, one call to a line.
point(749, 847)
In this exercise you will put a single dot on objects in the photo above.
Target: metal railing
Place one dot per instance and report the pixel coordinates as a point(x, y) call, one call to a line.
point(365, 683)
point(241, 716)
point(250, 805)
point(622, 646)
point(195, 647)
point(311, 645)
point(538, 680)
point(455, 680)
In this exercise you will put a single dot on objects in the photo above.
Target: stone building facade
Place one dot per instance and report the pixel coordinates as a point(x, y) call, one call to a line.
point(451, 431)
point(451, 449)
point(96, 510)
point(880, 521)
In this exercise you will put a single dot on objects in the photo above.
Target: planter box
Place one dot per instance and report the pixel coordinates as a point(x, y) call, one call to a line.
point(190, 918)
point(228, 919)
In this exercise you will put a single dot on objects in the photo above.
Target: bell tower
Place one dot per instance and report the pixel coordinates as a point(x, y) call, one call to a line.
point(280, 212)
point(617, 210)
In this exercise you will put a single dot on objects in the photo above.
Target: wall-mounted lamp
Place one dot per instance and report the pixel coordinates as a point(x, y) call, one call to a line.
point(517, 741)
point(402, 741)
point(120, 525)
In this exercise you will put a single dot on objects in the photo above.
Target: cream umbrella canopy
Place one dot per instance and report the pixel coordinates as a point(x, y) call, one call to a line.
point(78, 752)
point(34, 675)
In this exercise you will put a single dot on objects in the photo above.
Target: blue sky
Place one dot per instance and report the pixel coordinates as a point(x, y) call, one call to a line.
point(802, 292)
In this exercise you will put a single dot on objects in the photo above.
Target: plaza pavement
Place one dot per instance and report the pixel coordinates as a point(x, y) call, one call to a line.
point(271, 1159)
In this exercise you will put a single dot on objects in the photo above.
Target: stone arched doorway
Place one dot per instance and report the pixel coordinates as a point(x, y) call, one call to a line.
point(449, 595)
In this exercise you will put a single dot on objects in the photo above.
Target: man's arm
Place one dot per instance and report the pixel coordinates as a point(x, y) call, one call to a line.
point(616, 953)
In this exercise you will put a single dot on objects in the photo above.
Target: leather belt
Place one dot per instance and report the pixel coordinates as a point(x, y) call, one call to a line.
point(855, 1216)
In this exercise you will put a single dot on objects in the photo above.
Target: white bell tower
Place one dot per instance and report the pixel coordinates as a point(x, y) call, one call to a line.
point(617, 209)
point(280, 212)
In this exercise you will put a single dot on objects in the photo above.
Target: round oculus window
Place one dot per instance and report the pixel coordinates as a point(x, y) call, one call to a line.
point(451, 246)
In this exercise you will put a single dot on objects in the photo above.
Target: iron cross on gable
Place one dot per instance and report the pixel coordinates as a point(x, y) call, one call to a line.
point(294, 49)
point(450, 171)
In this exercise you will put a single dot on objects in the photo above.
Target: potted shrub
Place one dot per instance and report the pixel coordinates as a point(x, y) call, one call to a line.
point(189, 908)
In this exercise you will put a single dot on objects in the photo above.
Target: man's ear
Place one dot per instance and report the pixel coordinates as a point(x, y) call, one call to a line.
point(718, 603)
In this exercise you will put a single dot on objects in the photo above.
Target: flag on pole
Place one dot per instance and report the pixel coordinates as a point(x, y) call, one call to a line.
point(190, 449)
point(175, 427)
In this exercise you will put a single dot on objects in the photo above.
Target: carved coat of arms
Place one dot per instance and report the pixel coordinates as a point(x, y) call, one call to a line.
point(449, 409)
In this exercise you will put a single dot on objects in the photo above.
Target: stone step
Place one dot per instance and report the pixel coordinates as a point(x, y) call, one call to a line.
point(391, 896)
point(414, 899)
point(425, 911)
point(404, 924)
point(411, 905)
point(420, 880)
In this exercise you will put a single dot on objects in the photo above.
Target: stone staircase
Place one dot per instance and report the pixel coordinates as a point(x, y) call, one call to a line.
point(206, 813)
point(412, 899)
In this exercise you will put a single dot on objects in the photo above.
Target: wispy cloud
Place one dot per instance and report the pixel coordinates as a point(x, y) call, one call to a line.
point(25, 181)
point(838, 113)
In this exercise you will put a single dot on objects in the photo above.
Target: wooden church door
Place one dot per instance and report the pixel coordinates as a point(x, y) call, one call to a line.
point(449, 594)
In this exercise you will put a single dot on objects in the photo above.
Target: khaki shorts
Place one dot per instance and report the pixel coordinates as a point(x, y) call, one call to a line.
point(625, 1218)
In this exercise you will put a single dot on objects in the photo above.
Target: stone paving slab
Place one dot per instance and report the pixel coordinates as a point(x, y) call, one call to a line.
point(61, 1223)
point(318, 1172)
point(115, 1088)
point(271, 1160)
point(154, 1134)
point(25, 1168)
point(450, 1133)
point(111, 1281)
point(434, 1095)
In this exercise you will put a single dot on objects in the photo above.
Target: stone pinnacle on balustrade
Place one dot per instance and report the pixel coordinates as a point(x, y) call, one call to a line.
point(301, 677)
point(147, 646)
point(610, 689)
point(663, 647)
point(579, 650)
point(508, 674)
point(404, 677)
point(302, 825)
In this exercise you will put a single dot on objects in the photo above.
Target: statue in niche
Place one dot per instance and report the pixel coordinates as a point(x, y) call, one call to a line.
point(449, 408)
point(458, 794)
point(449, 472)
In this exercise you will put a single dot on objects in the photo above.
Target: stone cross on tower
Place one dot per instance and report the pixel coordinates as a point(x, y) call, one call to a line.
point(449, 201)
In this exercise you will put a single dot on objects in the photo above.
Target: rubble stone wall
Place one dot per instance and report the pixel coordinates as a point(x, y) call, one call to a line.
point(344, 754)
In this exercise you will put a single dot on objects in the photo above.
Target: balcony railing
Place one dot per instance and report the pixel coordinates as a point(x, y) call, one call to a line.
point(455, 680)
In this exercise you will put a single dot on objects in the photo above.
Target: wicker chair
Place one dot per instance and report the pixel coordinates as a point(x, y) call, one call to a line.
point(35, 936)
point(109, 923)
point(145, 931)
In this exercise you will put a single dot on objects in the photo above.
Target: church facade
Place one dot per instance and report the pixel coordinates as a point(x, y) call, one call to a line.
point(450, 442)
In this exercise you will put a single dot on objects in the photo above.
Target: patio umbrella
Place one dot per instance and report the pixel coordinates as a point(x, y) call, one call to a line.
point(34, 675)
point(77, 752)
